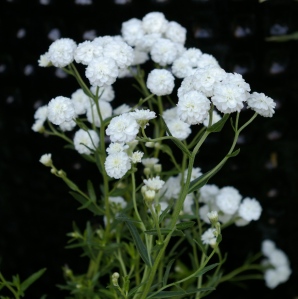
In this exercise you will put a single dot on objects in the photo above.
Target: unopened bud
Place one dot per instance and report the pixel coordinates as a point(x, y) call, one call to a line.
point(147, 171)
point(213, 217)
point(157, 168)
point(115, 277)
point(149, 144)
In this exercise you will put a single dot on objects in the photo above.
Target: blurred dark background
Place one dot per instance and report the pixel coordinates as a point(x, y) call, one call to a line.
point(36, 210)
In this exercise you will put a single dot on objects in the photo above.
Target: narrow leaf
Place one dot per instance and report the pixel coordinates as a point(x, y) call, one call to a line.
point(122, 217)
point(91, 191)
point(217, 127)
point(87, 204)
point(206, 269)
point(164, 231)
point(185, 225)
point(167, 272)
point(234, 154)
point(139, 244)
point(32, 278)
point(170, 294)
point(201, 246)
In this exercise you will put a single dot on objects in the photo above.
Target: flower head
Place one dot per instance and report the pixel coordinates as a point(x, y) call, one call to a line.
point(117, 165)
point(208, 237)
point(261, 104)
point(122, 128)
point(85, 141)
point(61, 52)
point(46, 159)
point(154, 22)
point(228, 200)
point(60, 109)
point(154, 183)
point(250, 209)
point(160, 82)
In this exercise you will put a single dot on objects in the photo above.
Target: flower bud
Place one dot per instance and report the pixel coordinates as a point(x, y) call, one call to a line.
point(213, 217)
point(149, 144)
point(115, 277)
point(147, 171)
point(157, 168)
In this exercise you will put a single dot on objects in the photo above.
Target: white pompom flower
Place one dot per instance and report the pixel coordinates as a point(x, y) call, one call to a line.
point(261, 104)
point(175, 32)
point(154, 22)
point(228, 200)
point(164, 52)
point(179, 129)
point(154, 183)
point(102, 71)
point(105, 109)
point(46, 159)
point(120, 52)
point(61, 52)
point(123, 128)
point(182, 67)
point(85, 141)
point(142, 116)
point(116, 147)
point(250, 209)
point(160, 82)
point(60, 110)
point(193, 107)
point(208, 237)
point(132, 30)
point(87, 51)
point(41, 113)
point(105, 93)
point(80, 101)
point(67, 125)
point(117, 165)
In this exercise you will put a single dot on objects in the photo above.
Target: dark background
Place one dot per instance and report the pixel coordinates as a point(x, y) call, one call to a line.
point(36, 210)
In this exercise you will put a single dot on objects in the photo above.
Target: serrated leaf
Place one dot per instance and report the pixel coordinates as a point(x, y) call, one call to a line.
point(185, 225)
point(173, 294)
point(139, 244)
point(31, 279)
point(217, 127)
point(206, 269)
point(164, 231)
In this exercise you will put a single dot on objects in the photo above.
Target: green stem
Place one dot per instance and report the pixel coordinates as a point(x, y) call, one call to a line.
point(7, 284)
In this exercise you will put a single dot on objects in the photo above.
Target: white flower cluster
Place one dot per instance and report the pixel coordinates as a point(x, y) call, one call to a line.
point(280, 270)
point(229, 204)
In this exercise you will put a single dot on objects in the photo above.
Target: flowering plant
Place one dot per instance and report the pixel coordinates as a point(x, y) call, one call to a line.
point(152, 200)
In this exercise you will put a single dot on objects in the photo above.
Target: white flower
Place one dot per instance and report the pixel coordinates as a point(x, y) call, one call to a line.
point(268, 247)
point(85, 141)
point(38, 126)
point(120, 52)
point(116, 147)
point(193, 107)
point(208, 193)
point(192, 55)
point(171, 188)
point(142, 116)
point(182, 67)
point(140, 57)
point(122, 128)
point(150, 162)
point(261, 104)
point(273, 277)
point(136, 157)
point(87, 51)
point(60, 109)
point(67, 125)
point(146, 42)
point(160, 82)
point(228, 97)
point(41, 113)
point(208, 237)
point(195, 173)
point(105, 93)
point(164, 51)
point(46, 159)
point(188, 204)
point(80, 101)
point(215, 118)
point(189, 83)
point(179, 129)
point(102, 71)
point(105, 109)
point(207, 60)
point(124, 108)
point(228, 200)
point(132, 30)
point(154, 22)
point(44, 60)
point(213, 216)
point(117, 165)
point(175, 32)
point(170, 114)
point(118, 200)
point(250, 209)
point(61, 52)
point(154, 183)
point(237, 79)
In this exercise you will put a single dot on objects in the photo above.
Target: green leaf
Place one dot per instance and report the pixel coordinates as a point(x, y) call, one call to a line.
point(167, 272)
point(170, 294)
point(206, 269)
point(32, 278)
point(185, 225)
point(283, 38)
point(139, 244)
point(217, 127)
point(122, 217)
point(164, 231)
point(201, 246)
point(91, 191)
point(87, 204)
point(234, 154)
